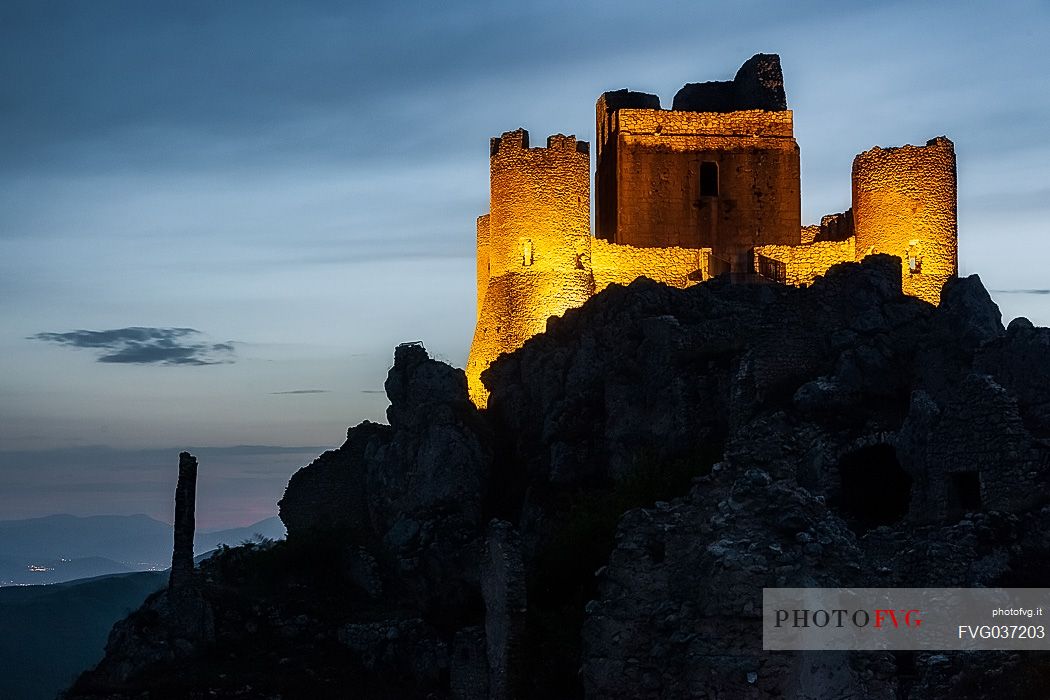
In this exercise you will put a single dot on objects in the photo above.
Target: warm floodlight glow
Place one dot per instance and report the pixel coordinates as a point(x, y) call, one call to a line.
point(683, 196)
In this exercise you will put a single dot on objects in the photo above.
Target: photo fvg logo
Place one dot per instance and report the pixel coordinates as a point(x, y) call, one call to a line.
point(917, 619)
point(879, 618)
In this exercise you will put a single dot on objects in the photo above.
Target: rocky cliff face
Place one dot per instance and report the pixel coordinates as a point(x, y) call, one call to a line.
point(644, 468)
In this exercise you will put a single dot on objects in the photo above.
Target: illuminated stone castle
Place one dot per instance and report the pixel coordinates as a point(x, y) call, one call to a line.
point(708, 187)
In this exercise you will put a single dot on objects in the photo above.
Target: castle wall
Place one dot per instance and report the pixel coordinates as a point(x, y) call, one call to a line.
point(517, 306)
point(605, 178)
point(538, 245)
point(482, 260)
point(656, 158)
point(622, 264)
point(804, 263)
point(904, 204)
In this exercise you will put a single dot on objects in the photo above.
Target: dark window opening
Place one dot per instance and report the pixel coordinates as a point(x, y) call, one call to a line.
point(708, 179)
point(964, 493)
point(874, 488)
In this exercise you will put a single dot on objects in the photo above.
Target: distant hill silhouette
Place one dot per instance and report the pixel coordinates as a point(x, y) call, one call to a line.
point(49, 634)
point(61, 548)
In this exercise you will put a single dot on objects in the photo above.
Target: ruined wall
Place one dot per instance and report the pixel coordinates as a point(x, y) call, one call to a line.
point(809, 234)
point(904, 204)
point(836, 227)
point(622, 264)
point(538, 244)
point(759, 84)
point(804, 263)
point(657, 200)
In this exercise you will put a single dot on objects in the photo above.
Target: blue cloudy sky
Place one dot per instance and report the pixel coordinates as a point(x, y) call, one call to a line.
point(216, 219)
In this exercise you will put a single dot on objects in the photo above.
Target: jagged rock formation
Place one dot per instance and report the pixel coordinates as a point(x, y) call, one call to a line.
point(690, 446)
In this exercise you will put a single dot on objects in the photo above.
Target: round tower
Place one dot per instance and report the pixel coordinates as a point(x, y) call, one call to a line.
point(540, 200)
point(537, 245)
point(904, 204)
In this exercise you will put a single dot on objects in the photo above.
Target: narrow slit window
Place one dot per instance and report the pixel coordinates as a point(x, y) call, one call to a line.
point(526, 252)
point(708, 179)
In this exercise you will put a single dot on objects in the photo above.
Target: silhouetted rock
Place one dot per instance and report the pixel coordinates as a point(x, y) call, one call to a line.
point(970, 311)
point(171, 625)
point(759, 84)
point(689, 445)
point(330, 492)
point(1018, 363)
point(185, 500)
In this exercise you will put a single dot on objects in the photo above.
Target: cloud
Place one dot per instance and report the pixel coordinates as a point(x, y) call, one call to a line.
point(299, 391)
point(1021, 291)
point(146, 346)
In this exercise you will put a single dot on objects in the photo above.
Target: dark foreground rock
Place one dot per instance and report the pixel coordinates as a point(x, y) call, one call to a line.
point(644, 469)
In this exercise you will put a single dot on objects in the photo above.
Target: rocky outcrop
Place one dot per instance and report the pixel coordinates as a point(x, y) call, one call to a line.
point(679, 610)
point(173, 624)
point(1017, 362)
point(503, 587)
point(690, 446)
point(330, 492)
point(409, 496)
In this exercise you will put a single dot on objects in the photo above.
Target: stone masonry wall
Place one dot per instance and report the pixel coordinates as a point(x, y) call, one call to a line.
point(904, 204)
point(483, 260)
point(622, 264)
point(805, 263)
point(538, 245)
point(657, 157)
point(539, 216)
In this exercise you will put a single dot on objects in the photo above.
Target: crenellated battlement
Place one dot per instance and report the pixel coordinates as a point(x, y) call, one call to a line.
point(517, 140)
point(512, 143)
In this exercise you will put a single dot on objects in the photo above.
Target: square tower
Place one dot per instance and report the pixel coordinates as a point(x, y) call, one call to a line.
point(719, 170)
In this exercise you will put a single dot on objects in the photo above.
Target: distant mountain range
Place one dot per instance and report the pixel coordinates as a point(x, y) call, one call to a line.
point(61, 548)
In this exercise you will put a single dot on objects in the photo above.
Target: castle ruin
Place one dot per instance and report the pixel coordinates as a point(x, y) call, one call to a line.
point(706, 188)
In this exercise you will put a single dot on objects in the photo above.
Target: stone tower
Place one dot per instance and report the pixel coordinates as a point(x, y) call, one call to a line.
point(533, 245)
point(904, 204)
point(719, 170)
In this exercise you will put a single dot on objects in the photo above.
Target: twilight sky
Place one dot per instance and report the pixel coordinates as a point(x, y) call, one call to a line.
point(217, 219)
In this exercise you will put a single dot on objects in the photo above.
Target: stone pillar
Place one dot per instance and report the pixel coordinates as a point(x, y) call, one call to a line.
point(185, 502)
